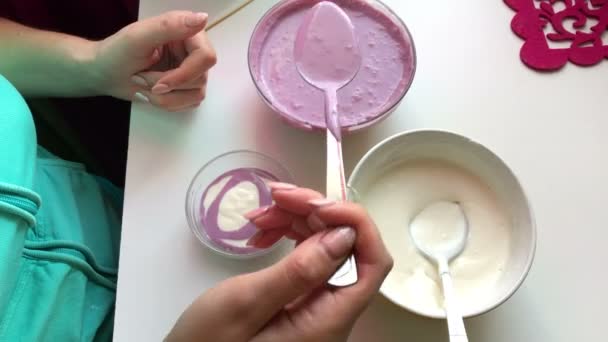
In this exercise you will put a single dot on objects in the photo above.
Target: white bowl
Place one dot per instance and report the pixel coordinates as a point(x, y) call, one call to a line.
point(491, 171)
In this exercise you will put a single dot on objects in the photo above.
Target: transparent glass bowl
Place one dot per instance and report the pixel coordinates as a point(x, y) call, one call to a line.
point(208, 174)
point(255, 68)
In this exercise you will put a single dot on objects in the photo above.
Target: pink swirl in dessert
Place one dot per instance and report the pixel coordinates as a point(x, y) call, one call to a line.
point(233, 240)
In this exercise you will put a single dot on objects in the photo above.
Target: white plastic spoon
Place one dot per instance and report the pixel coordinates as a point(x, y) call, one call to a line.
point(440, 232)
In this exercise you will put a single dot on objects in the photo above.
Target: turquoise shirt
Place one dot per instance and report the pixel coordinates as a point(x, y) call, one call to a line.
point(59, 238)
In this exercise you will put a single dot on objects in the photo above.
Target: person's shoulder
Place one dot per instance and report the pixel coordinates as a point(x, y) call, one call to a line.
point(11, 100)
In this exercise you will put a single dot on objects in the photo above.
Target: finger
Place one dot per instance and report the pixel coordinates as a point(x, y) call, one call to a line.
point(276, 217)
point(295, 200)
point(201, 57)
point(300, 226)
point(272, 218)
point(144, 36)
point(178, 51)
point(185, 108)
point(148, 79)
point(266, 238)
point(308, 267)
point(176, 100)
point(373, 260)
point(290, 234)
point(298, 230)
point(315, 223)
point(140, 97)
point(303, 300)
point(349, 214)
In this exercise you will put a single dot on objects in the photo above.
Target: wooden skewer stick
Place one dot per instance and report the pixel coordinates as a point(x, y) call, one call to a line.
point(227, 15)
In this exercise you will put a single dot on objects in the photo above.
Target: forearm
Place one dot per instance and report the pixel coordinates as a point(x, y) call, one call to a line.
point(42, 63)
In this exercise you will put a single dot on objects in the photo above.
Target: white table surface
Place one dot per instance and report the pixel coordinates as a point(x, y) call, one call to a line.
point(552, 129)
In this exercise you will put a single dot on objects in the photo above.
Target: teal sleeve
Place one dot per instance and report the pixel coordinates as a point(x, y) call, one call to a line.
point(18, 204)
point(59, 238)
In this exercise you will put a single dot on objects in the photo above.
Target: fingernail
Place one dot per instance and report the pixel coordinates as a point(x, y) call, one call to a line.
point(160, 88)
point(321, 202)
point(256, 213)
point(255, 238)
point(281, 186)
point(196, 19)
point(141, 97)
point(315, 223)
point(140, 81)
point(339, 241)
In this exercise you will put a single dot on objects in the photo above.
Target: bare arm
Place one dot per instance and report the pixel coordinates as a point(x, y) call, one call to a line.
point(42, 63)
point(131, 64)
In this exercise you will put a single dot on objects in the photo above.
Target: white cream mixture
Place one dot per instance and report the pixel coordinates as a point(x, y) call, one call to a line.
point(393, 199)
point(242, 198)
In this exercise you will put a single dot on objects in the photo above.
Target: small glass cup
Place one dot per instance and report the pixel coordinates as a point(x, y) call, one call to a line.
point(208, 174)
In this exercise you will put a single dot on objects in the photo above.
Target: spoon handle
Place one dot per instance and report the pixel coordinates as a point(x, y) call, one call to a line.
point(456, 327)
point(335, 182)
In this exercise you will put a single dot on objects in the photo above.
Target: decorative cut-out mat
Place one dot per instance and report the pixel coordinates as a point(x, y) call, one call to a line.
point(558, 31)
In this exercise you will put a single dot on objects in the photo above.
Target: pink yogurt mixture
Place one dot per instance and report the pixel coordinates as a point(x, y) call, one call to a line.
point(388, 65)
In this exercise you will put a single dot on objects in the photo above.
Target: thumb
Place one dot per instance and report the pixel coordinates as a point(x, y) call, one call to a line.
point(148, 34)
point(309, 266)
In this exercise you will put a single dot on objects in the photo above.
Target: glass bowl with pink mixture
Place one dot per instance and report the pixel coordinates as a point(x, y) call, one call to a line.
point(387, 70)
point(223, 191)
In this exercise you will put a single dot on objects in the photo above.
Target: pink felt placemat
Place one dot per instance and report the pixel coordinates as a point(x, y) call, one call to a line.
point(577, 25)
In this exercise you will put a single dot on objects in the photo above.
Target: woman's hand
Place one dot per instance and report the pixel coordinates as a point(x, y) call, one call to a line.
point(163, 60)
point(290, 301)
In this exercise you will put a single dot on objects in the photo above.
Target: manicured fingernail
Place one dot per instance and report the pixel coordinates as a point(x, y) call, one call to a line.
point(339, 241)
point(315, 223)
point(160, 88)
point(140, 81)
point(256, 213)
point(141, 97)
point(321, 202)
point(255, 238)
point(196, 19)
point(275, 186)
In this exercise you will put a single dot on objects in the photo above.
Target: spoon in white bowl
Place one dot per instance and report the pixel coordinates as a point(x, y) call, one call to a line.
point(440, 232)
point(327, 56)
